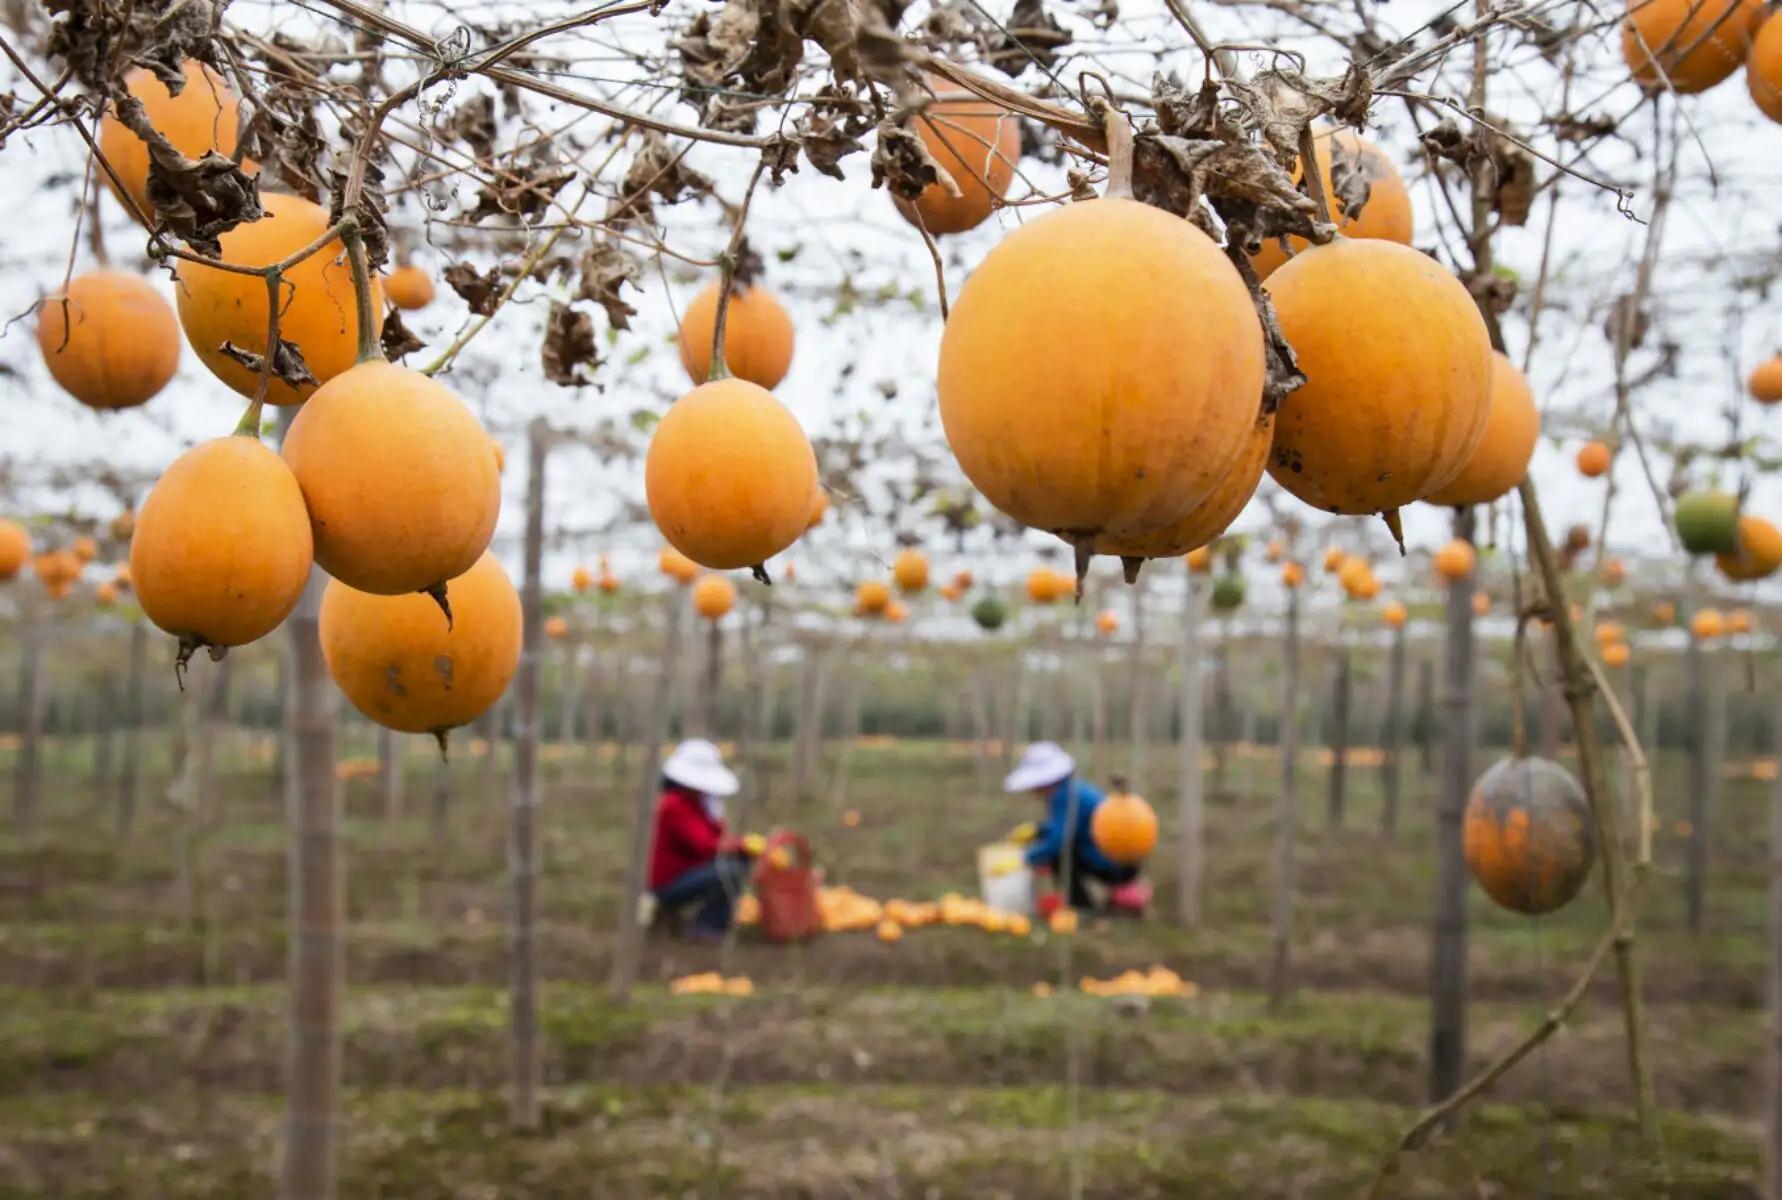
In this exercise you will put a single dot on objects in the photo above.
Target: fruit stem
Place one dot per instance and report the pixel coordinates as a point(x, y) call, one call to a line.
point(369, 349)
point(1119, 134)
point(249, 425)
point(1313, 177)
point(727, 277)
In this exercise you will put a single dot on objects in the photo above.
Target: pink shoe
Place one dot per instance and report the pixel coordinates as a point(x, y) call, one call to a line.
point(1132, 897)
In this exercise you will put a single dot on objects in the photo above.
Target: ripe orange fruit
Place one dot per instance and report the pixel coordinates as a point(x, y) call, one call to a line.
point(222, 546)
point(556, 628)
point(318, 315)
point(1455, 560)
point(1616, 654)
point(677, 566)
point(112, 341)
point(1691, 44)
point(910, 570)
point(15, 548)
point(974, 141)
point(1124, 827)
point(757, 336)
point(1500, 460)
point(204, 116)
point(1106, 622)
point(409, 288)
point(1395, 615)
point(402, 490)
point(399, 664)
point(872, 597)
point(1766, 378)
point(713, 597)
point(1707, 624)
point(1763, 69)
point(1292, 574)
point(1385, 215)
point(1593, 460)
point(581, 579)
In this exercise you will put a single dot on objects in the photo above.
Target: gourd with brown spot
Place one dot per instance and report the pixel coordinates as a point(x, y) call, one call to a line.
point(758, 336)
point(402, 667)
point(15, 548)
point(1399, 377)
point(1385, 213)
point(204, 116)
point(976, 142)
point(222, 546)
point(318, 315)
point(1123, 826)
point(1527, 835)
point(111, 340)
point(1101, 371)
point(402, 490)
point(729, 476)
point(1500, 461)
point(1687, 46)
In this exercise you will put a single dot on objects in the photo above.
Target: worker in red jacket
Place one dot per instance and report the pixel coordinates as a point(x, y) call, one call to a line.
point(694, 862)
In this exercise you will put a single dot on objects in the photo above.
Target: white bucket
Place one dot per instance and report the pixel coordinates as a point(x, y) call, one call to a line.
point(1004, 878)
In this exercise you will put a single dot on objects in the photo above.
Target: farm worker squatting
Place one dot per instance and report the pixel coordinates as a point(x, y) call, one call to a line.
point(695, 863)
point(1049, 774)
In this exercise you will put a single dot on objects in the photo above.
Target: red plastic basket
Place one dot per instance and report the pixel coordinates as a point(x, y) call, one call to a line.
point(787, 893)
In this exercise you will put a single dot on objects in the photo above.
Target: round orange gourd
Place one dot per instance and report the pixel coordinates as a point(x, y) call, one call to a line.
point(1763, 77)
point(1046, 586)
point(15, 548)
point(409, 288)
point(106, 593)
point(713, 597)
point(1124, 828)
point(556, 628)
point(1616, 654)
point(729, 475)
point(402, 490)
point(401, 666)
point(1101, 371)
point(1386, 214)
point(677, 566)
point(888, 931)
point(1481, 604)
point(1275, 551)
point(222, 547)
point(1368, 588)
point(1765, 383)
point(1696, 43)
point(581, 579)
point(1334, 558)
point(1352, 572)
point(1199, 560)
point(204, 116)
point(56, 568)
point(1107, 623)
point(1593, 460)
point(1527, 835)
point(910, 570)
point(1707, 624)
point(896, 612)
point(949, 592)
point(974, 141)
point(1664, 613)
point(1614, 572)
point(1739, 620)
point(1609, 631)
point(1395, 615)
point(1208, 519)
point(609, 583)
point(318, 316)
point(84, 548)
point(757, 336)
point(1500, 460)
point(872, 597)
point(1398, 365)
point(1456, 560)
point(1759, 554)
point(1292, 575)
point(112, 341)
point(962, 579)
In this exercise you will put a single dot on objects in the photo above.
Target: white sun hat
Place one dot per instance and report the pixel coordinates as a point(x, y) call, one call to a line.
point(697, 764)
point(1042, 765)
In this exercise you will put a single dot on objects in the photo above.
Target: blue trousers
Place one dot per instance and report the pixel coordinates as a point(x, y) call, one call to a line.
point(712, 887)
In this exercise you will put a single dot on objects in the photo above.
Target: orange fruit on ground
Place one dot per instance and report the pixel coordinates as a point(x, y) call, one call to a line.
point(204, 116)
point(757, 336)
point(910, 570)
point(399, 664)
point(318, 314)
point(222, 547)
point(112, 341)
point(1208, 519)
point(974, 141)
point(1456, 560)
point(409, 288)
point(1616, 654)
point(15, 548)
point(402, 490)
point(1691, 44)
point(713, 597)
point(729, 475)
point(1706, 624)
point(1763, 77)
point(1759, 554)
point(1124, 827)
point(889, 931)
point(1593, 460)
point(677, 566)
point(1101, 371)
point(872, 597)
point(1399, 369)
point(1500, 460)
point(1386, 214)
point(1395, 615)
point(1765, 383)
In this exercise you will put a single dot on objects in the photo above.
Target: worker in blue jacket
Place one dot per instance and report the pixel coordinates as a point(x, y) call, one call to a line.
point(1049, 774)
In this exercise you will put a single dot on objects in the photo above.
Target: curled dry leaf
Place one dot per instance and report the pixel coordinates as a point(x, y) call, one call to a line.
point(287, 363)
point(99, 39)
point(568, 345)
point(474, 124)
point(480, 290)
point(1509, 168)
point(1033, 36)
point(397, 339)
point(657, 171)
point(522, 190)
point(282, 135)
point(902, 163)
point(374, 229)
point(604, 270)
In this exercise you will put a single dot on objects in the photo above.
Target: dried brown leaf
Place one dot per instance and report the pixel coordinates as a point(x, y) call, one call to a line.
point(480, 290)
point(605, 269)
point(569, 344)
point(287, 362)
